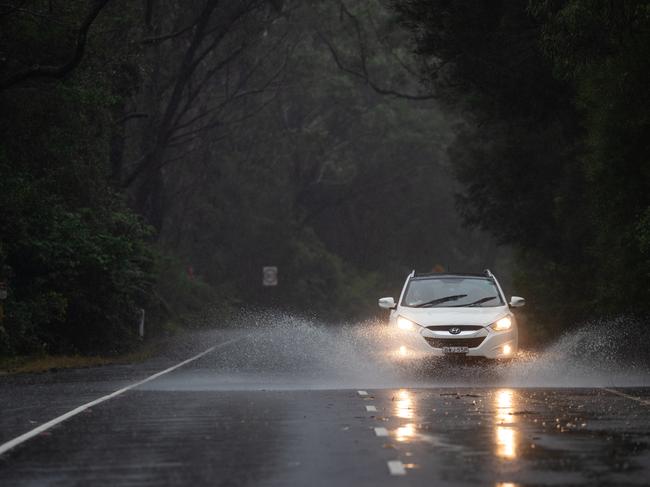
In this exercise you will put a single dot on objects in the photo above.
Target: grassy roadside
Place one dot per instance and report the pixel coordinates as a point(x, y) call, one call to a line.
point(49, 363)
point(30, 364)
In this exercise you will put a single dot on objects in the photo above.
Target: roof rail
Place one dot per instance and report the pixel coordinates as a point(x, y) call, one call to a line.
point(450, 274)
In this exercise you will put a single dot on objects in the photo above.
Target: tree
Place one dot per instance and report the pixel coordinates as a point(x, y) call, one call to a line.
point(554, 90)
point(231, 128)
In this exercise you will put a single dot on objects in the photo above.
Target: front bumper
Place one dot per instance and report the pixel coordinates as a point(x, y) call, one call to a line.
point(484, 342)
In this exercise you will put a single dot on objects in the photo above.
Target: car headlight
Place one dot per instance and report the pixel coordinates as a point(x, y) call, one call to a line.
point(405, 323)
point(503, 324)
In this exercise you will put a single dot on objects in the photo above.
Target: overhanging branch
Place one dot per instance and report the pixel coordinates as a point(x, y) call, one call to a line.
point(363, 73)
point(59, 71)
point(365, 77)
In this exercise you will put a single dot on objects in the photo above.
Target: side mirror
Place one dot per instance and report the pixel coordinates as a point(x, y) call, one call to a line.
point(517, 302)
point(387, 303)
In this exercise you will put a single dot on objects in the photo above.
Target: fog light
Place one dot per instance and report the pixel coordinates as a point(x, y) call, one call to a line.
point(404, 324)
point(507, 349)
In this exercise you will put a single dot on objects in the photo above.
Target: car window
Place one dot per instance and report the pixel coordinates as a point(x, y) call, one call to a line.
point(451, 292)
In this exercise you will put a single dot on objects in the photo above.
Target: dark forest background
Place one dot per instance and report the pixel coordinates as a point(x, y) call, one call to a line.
point(156, 154)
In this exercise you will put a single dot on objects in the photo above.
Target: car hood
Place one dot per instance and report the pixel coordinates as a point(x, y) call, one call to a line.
point(454, 316)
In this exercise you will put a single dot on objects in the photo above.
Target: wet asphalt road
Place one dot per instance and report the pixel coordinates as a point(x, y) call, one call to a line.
point(201, 425)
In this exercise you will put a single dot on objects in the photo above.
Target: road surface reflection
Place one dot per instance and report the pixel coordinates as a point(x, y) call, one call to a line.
point(405, 433)
point(403, 407)
point(505, 431)
point(403, 404)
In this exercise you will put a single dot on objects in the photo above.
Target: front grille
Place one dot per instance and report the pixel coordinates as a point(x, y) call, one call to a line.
point(454, 342)
point(447, 327)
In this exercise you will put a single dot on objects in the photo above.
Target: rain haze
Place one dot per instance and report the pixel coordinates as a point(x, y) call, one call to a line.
point(354, 242)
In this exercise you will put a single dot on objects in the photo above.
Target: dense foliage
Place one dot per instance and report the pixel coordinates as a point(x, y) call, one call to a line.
point(157, 154)
point(556, 162)
point(75, 258)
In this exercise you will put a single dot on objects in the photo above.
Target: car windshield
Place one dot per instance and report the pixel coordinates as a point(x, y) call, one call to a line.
point(451, 292)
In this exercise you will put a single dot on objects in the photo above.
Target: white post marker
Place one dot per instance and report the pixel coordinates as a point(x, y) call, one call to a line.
point(396, 467)
point(141, 314)
point(381, 432)
point(372, 409)
point(5, 447)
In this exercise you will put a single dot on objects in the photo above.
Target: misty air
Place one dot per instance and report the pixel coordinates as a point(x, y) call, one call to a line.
point(315, 243)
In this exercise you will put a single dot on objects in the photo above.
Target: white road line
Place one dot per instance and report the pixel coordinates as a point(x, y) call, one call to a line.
point(627, 396)
point(5, 447)
point(363, 393)
point(381, 432)
point(395, 467)
point(371, 409)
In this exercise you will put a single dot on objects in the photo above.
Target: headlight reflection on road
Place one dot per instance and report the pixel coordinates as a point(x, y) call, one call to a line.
point(403, 404)
point(503, 405)
point(405, 433)
point(506, 442)
point(505, 432)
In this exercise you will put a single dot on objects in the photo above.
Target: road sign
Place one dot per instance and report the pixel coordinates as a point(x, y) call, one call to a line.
point(269, 276)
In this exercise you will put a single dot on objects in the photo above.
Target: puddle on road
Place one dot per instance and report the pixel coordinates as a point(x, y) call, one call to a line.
point(285, 352)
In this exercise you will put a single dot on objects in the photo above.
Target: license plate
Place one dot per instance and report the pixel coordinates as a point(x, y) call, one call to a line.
point(455, 349)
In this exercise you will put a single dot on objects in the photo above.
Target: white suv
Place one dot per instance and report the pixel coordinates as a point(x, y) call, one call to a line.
point(454, 314)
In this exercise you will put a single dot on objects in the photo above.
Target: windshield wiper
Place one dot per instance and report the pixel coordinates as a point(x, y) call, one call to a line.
point(433, 302)
point(480, 301)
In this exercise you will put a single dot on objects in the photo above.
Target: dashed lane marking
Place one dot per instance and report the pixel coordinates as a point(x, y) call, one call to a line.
point(362, 393)
point(395, 467)
point(371, 409)
point(381, 432)
point(5, 447)
point(627, 396)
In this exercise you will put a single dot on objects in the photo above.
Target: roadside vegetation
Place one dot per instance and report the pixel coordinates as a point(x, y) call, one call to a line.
point(555, 163)
point(42, 363)
point(155, 155)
